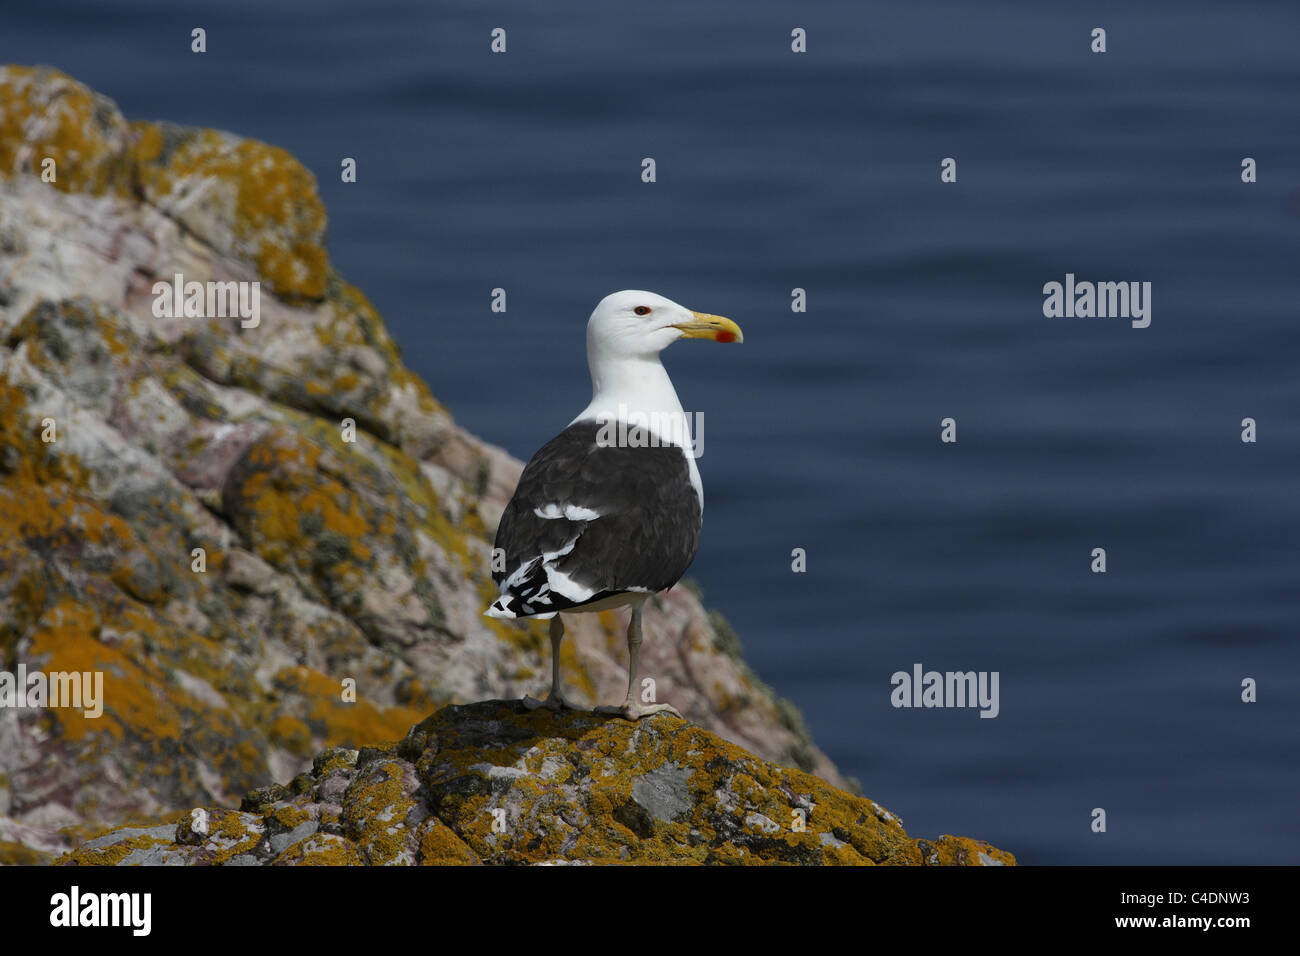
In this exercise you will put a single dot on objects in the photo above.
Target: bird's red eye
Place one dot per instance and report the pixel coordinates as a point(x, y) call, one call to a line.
point(642, 310)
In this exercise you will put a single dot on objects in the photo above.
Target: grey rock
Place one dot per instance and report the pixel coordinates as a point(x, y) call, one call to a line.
point(664, 792)
point(165, 832)
point(282, 841)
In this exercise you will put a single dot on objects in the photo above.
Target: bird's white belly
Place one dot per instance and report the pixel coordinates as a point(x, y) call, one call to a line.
point(606, 604)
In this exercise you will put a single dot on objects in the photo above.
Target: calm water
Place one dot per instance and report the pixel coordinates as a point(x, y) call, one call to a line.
point(822, 171)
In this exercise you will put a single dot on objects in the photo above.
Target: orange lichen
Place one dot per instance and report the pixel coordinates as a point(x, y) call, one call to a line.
point(339, 722)
point(46, 115)
point(273, 209)
point(65, 639)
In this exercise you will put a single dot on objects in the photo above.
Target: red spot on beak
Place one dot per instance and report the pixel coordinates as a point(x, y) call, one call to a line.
point(725, 337)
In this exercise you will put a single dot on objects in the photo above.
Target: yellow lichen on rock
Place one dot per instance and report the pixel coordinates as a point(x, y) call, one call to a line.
point(378, 811)
point(342, 722)
point(266, 199)
point(322, 849)
point(496, 783)
point(962, 851)
point(439, 846)
point(47, 115)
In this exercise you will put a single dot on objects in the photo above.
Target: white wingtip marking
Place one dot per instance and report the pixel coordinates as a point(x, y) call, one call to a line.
point(554, 511)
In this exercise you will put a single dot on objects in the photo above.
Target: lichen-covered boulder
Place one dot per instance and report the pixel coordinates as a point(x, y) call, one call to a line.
point(495, 783)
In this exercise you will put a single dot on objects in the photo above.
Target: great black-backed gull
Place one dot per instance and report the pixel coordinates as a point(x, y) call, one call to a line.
point(608, 512)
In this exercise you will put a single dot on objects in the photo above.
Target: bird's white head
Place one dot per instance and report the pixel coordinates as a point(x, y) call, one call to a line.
point(639, 325)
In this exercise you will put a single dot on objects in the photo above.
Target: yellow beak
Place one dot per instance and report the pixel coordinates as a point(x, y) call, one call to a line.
point(705, 326)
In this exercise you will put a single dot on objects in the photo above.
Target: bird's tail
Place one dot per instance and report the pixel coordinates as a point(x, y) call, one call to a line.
point(500, 608)
point(511, 606)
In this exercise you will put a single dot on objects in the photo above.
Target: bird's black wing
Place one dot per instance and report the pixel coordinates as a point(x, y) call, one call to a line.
point(595, 516)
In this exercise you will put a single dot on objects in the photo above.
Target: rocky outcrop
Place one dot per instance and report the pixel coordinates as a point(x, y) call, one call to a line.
point(493, 783)
point(181, 510)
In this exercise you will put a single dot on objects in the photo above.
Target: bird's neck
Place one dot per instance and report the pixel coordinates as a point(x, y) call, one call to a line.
point(625, 385)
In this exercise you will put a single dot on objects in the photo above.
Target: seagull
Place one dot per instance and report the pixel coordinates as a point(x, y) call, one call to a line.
point(608, 512)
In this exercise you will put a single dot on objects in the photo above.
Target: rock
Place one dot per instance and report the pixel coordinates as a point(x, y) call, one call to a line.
point(253, 588)
point(44, 113)
point(495, 783)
